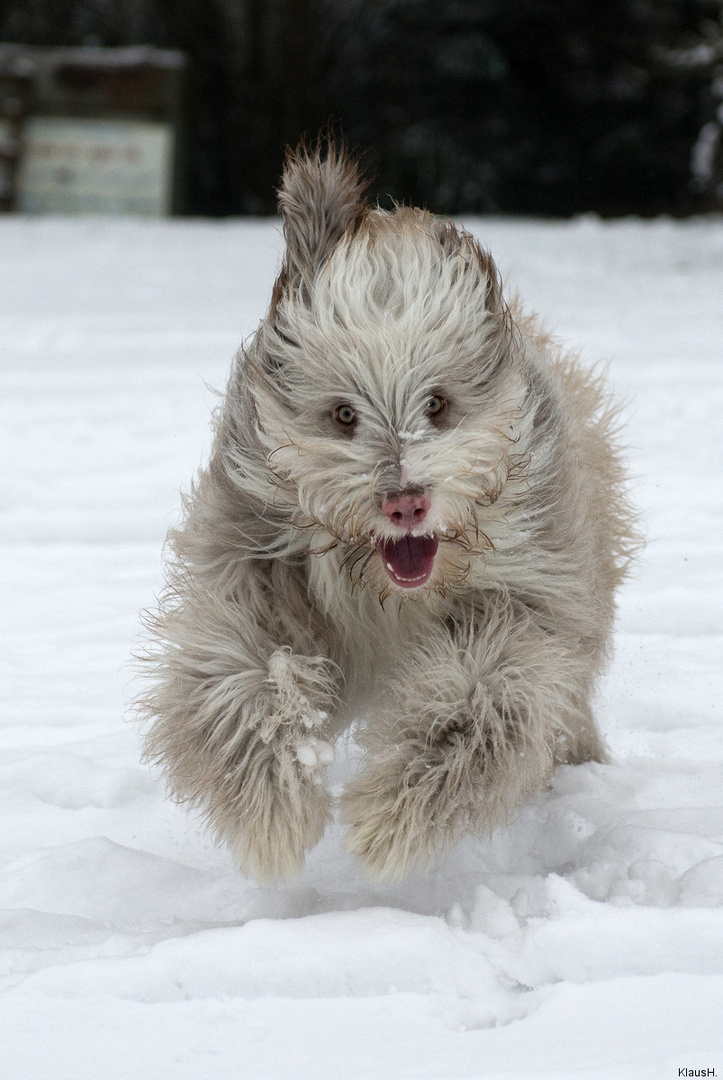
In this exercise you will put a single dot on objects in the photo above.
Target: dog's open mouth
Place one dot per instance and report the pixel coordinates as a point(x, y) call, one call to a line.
point(409, 560)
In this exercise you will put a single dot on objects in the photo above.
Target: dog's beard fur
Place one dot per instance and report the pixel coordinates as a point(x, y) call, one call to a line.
point(390, 395)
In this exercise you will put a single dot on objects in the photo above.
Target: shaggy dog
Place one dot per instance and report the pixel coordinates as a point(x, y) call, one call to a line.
point(414, 512)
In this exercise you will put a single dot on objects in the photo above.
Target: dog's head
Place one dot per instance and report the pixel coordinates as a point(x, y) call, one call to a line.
point(387, 381)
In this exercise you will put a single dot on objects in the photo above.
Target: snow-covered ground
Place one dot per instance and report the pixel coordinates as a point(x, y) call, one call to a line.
point(586, 940)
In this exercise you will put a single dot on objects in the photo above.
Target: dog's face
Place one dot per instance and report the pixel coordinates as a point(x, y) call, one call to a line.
point(390, 400)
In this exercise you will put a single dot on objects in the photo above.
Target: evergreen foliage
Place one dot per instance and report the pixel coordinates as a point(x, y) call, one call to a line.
point(507, 106)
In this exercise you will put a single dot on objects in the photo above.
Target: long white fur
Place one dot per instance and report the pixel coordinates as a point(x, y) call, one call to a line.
point(280, 623)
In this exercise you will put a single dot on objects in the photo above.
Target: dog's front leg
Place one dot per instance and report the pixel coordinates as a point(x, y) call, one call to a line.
point(478, 714)
point(242, 710)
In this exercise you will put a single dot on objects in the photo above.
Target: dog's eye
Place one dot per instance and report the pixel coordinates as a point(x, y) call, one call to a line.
point(345, 415)
point(435, 405)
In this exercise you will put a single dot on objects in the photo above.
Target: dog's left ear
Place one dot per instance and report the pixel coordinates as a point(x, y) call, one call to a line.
point(321, 198)
point(456, 241)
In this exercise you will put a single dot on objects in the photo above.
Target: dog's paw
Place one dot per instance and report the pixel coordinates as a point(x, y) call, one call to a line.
point(393, 827)
point(315, 755)
point(272, 806)
point(374, 836)
point(280, 825)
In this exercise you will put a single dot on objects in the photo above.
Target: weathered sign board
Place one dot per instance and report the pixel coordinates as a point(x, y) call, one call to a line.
point(106, 166)
point(100, 131)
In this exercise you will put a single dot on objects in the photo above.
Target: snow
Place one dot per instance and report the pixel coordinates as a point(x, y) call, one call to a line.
point(586, 940)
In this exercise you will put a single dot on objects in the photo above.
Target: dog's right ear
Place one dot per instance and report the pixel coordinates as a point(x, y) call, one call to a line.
point(321, 198)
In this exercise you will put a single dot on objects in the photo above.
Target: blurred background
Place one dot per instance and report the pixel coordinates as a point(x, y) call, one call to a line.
point(544, 107)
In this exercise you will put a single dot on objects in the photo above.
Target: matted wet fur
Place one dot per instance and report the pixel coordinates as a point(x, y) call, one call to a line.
point(415, 513)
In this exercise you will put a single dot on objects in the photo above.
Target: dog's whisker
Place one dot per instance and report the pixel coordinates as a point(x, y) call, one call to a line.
point(364, 565)
point(352, 558)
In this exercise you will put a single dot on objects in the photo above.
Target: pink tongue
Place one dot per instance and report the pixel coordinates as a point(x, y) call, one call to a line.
point(409, 561)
